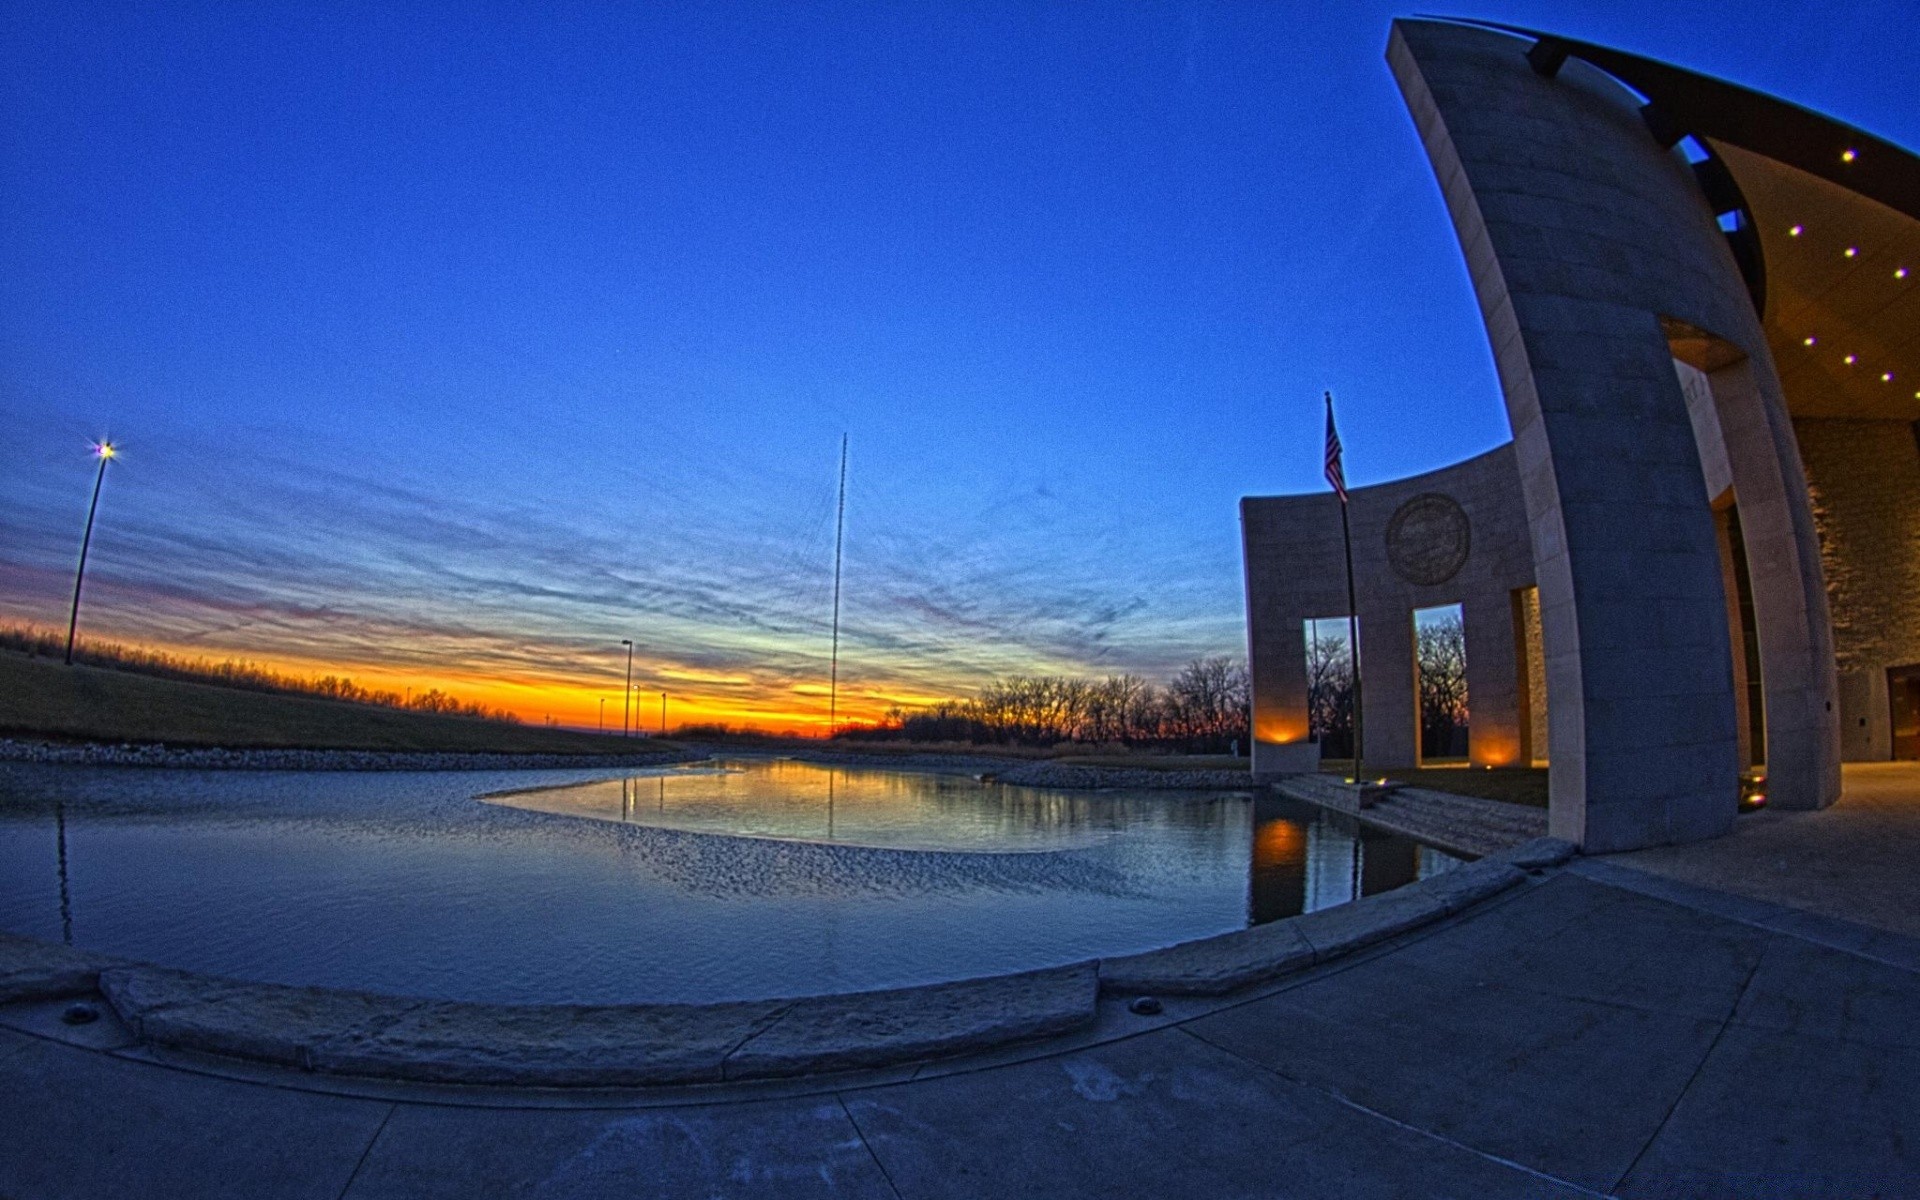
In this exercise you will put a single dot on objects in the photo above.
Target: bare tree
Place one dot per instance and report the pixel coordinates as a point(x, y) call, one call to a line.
point(1440, 648)
point(1330, 695)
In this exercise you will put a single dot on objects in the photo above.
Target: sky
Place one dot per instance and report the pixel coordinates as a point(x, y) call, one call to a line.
point(451, 344)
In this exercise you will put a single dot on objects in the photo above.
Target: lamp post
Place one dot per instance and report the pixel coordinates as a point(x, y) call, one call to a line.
point(104, 451)
point(663, 714)
point(603, 714)
point(626, 695)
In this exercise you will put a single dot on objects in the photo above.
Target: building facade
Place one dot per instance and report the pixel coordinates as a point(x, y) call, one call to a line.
point(1704, 309)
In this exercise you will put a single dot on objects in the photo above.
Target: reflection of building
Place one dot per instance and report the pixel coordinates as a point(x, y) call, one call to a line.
point(1704, 305)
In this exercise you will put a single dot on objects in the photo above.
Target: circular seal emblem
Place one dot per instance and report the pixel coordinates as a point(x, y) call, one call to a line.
point(1427, 539)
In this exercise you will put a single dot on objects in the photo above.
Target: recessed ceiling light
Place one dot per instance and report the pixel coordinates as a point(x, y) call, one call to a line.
point(1886, 377)
point(1794, 232)
point(1852, 250)
point(1850, 359)
point(1899, 272)
point(1809, 341)
point(1848, 156)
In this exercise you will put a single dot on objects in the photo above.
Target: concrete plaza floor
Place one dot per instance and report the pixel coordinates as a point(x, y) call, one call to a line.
point(1599, 1030)
point(1858, 860)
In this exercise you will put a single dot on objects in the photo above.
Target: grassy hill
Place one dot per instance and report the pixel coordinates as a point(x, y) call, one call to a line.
point(43, 698)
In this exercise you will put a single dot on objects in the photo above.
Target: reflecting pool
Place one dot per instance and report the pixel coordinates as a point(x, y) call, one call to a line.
point(749, 878)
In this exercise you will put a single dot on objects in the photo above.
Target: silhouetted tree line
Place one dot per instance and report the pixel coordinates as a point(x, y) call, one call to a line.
point(1202, 709)
point(1440, 652)
point(244, 675)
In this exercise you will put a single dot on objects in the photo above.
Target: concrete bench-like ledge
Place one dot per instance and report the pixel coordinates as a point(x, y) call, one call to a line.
point(354, 1033)
point(36, 970)
point(1231, 961)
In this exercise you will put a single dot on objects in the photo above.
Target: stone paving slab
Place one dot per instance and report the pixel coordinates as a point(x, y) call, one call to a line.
point(1579, 940)
point(783, 1149)
point(1776, 1115)
point(1439, 1034)
point(1158, 1115)
point(1815, 991)
point(82, 1125)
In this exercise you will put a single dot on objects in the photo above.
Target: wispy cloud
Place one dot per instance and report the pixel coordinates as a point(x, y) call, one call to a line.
point(286, 560)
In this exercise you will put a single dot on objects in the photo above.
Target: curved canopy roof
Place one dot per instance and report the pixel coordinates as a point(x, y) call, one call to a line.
point(1836, 215)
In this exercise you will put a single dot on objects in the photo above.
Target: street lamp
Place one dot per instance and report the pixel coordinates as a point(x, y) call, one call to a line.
point(603, 714)
point(103, 450)
point(626, 696)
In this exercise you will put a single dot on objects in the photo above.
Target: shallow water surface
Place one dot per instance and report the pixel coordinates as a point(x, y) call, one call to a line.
point(752, 879)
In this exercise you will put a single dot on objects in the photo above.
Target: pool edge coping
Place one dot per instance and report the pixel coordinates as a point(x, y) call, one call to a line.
point(364, 1035)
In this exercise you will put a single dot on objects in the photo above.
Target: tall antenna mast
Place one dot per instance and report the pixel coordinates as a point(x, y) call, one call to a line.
point(839, 538)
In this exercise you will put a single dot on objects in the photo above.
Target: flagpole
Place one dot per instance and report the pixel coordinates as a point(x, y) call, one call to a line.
point(1353, 635)
point(1337, 476)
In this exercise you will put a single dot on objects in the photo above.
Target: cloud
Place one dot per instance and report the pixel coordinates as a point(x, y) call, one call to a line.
point(280, 558)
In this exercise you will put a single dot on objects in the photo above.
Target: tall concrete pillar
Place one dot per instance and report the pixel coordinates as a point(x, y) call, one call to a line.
point(1580, 234)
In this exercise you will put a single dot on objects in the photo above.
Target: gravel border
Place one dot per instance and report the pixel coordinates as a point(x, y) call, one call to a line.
point(149, 754)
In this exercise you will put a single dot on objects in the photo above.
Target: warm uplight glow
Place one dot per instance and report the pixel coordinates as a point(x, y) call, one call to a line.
point(1280, 730)
point(1279, 844)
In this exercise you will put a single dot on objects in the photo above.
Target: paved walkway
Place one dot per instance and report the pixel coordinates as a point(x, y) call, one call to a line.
point(1859, 860)
point(1598, 1030)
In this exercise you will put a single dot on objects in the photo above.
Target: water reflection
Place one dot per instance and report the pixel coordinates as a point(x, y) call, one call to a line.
point(60, 853)
point(1304, 861)
point(849, 878)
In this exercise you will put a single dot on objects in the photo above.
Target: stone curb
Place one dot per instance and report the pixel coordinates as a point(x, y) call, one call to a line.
point(1231, 961)
point(353, 1033)
point(393, 1037)
point(36, 970)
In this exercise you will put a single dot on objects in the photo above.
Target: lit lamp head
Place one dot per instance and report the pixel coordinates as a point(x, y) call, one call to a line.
point(105, 449)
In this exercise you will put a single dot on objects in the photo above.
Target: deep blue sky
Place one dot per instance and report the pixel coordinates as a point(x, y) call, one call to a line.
point(465, 341)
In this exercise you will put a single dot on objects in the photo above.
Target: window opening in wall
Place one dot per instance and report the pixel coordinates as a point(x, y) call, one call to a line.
point(1440, 662)
point(1903, 703)
point(1747, 641)
point(1330, 686)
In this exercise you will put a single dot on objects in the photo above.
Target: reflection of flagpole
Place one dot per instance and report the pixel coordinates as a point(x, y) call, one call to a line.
point(839, 536)
point(1337, 476)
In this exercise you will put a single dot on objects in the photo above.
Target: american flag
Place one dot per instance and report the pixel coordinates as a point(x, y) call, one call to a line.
point(1335, 475)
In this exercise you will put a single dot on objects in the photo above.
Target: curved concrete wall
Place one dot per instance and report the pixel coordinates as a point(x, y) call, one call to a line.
point(1296, 572)
point(1589, 246)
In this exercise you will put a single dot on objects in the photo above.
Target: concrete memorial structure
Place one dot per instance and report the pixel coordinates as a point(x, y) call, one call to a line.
point(1699, 557)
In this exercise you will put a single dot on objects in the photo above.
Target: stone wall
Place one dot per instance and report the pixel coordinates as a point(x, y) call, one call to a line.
point(1295, 572)
point(1864, 477)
